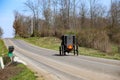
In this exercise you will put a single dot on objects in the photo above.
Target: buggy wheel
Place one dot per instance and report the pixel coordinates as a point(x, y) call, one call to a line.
point(60, 51)
point(77, 50)
point(74, 51)
point(63, 51)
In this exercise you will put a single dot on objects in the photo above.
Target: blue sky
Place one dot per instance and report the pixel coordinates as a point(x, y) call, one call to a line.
point(7, 8)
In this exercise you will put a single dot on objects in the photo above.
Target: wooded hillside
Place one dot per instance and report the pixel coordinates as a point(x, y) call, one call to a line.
point(94, 25)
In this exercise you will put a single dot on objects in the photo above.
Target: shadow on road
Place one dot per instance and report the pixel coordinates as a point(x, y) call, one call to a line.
point(62, 55)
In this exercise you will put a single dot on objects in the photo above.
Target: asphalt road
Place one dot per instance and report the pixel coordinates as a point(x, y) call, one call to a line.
point(70, 67)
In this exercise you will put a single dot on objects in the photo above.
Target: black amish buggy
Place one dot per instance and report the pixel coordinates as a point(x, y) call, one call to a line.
point(69, 43)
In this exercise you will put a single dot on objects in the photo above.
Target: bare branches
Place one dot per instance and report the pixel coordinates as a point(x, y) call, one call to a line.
point(34, 8)
point(83, 13)
point(115, 13)
point(21, 25)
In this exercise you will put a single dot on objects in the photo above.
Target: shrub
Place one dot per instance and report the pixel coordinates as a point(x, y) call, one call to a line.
point(114, 34)
point(59, 32)
point(94, 38)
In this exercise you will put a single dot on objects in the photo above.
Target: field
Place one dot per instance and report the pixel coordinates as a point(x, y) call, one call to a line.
point(54, 43)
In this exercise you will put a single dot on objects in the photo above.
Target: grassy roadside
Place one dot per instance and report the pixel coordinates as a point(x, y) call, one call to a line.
point(3, 49)
point(14, 72)
point(54, 43)
point(24, 74)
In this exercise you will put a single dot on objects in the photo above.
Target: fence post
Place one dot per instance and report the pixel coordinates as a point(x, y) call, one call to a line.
point(2, 63)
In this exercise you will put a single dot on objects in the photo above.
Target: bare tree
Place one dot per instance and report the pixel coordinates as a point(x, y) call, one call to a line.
point(47, 11)
point(74, 13)
point(93, 8)
point(97, 13)
point(100, 16)
point(73, 17)
point(65, 9)
point(114, 21)
point(55, 11)
point(83, 12)
point(34, 8)
point(16, 23)
point(1, 32)
point(115, 13)
point(21, 25)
